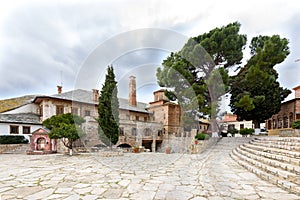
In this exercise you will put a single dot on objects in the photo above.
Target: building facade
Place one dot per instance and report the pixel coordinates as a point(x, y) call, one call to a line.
point(289, 112)
point(19, 124)
point(230, 121)
point(155, 125)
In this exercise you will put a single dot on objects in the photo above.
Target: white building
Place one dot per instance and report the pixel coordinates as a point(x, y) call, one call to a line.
point(19, 124)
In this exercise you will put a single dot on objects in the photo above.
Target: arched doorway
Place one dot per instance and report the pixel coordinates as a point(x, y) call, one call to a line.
point(124, 145)
point(41, 143)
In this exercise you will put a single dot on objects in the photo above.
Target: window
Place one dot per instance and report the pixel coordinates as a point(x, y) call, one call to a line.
point(121, 131)
point(59, 110)
point(133, 132)
point(87, 113)
point(128, 117)
point(231, 127)
point(41, 110)
point(159, 133)
point(74, 111)
point(137, 118)
point(26, 129)
point(242, 126)
point(14, 129)
point(145, 119)
point(147, 132)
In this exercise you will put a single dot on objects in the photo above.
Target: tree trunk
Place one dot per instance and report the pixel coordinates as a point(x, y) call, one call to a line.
point(71, 147)
point(256, 127)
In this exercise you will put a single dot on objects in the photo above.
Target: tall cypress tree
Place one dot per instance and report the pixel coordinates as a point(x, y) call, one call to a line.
point(108, 110)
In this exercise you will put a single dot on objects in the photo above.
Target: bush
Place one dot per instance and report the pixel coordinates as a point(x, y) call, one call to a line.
point(296, 124)
point(247, 131)
point(13, 139)
point(202, 136)
point(233, 131)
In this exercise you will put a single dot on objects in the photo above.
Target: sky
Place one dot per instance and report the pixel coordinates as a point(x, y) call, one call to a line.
point(48, 43)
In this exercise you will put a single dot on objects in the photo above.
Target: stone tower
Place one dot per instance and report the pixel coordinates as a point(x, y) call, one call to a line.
point(132, 91)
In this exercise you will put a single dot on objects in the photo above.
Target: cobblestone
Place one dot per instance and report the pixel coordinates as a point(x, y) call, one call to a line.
point(210, 175)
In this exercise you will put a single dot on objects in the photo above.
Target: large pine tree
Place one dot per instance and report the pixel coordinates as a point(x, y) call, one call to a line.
point(197, 74)
point(108, 110)
point(255, 92)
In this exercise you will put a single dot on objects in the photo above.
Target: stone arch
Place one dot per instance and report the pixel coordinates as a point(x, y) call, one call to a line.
point(279, 120)
point(41, 143)
point(124, 145)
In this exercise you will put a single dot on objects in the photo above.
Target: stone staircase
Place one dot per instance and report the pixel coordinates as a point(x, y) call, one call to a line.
point(275, 159)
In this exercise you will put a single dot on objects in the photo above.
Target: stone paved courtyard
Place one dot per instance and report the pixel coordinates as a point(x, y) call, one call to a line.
point(211, 175)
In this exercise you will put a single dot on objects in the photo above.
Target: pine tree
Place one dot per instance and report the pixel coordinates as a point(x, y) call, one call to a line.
point(108, 110)
point(255, 92)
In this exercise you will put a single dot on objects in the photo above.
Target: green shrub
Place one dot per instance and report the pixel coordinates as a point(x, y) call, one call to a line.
point(296, 124)
point(13, 139)
point(247, 131)
point(233, 131)
point(202, 136)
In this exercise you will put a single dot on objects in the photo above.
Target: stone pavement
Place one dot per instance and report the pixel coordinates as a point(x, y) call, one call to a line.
point(210, 175)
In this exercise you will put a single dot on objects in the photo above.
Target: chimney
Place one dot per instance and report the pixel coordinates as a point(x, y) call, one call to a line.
point(297, 91)
point(59, 89)
point(95, 96)
point(132, 91)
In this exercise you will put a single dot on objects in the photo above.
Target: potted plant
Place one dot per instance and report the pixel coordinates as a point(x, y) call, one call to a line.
point(136, 149)
point(196, 141)
point(168, 150)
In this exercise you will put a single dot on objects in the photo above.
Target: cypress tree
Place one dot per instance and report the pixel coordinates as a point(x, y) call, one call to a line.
point(108, 110)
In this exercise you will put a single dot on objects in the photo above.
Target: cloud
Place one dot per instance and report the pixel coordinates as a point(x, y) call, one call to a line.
point(38, 40)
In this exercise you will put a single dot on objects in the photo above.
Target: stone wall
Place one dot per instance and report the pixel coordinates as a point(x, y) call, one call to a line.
point(178, 142)
point(203, 145)
point(289, 133)
point(12, 147)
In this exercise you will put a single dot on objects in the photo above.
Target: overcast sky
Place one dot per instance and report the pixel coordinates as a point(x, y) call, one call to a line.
point(44, 43)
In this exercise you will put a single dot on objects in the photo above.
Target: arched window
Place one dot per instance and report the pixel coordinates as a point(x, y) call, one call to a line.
point(285, 121)
point(274, 123)
point(121, 131)
point(147, 132)
point(133, 132)
point(291, 119)
point(279, 122)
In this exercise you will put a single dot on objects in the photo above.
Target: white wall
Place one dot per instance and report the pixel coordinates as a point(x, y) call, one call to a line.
point(5, 129)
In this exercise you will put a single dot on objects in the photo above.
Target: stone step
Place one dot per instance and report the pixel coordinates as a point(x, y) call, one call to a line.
point(287, 185)
point(280, 145)
point(280, 139)
point(274, 163)
point(281, 158)
point(281, 174)
point(289, 153)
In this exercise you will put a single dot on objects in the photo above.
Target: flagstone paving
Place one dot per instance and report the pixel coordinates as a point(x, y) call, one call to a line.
point(210, 175)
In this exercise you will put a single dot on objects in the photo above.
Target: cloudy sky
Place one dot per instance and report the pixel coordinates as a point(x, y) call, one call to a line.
point(44, 43)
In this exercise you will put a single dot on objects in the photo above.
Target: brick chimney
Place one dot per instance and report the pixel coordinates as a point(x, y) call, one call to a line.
point(132, 91)
point(59, 89)
point(95, 95)
point(297, 91)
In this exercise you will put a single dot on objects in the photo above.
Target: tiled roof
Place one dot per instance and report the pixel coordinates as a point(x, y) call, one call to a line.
point(22, 118)
point(79, 95)
point(140, 107)
point(85, 96)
